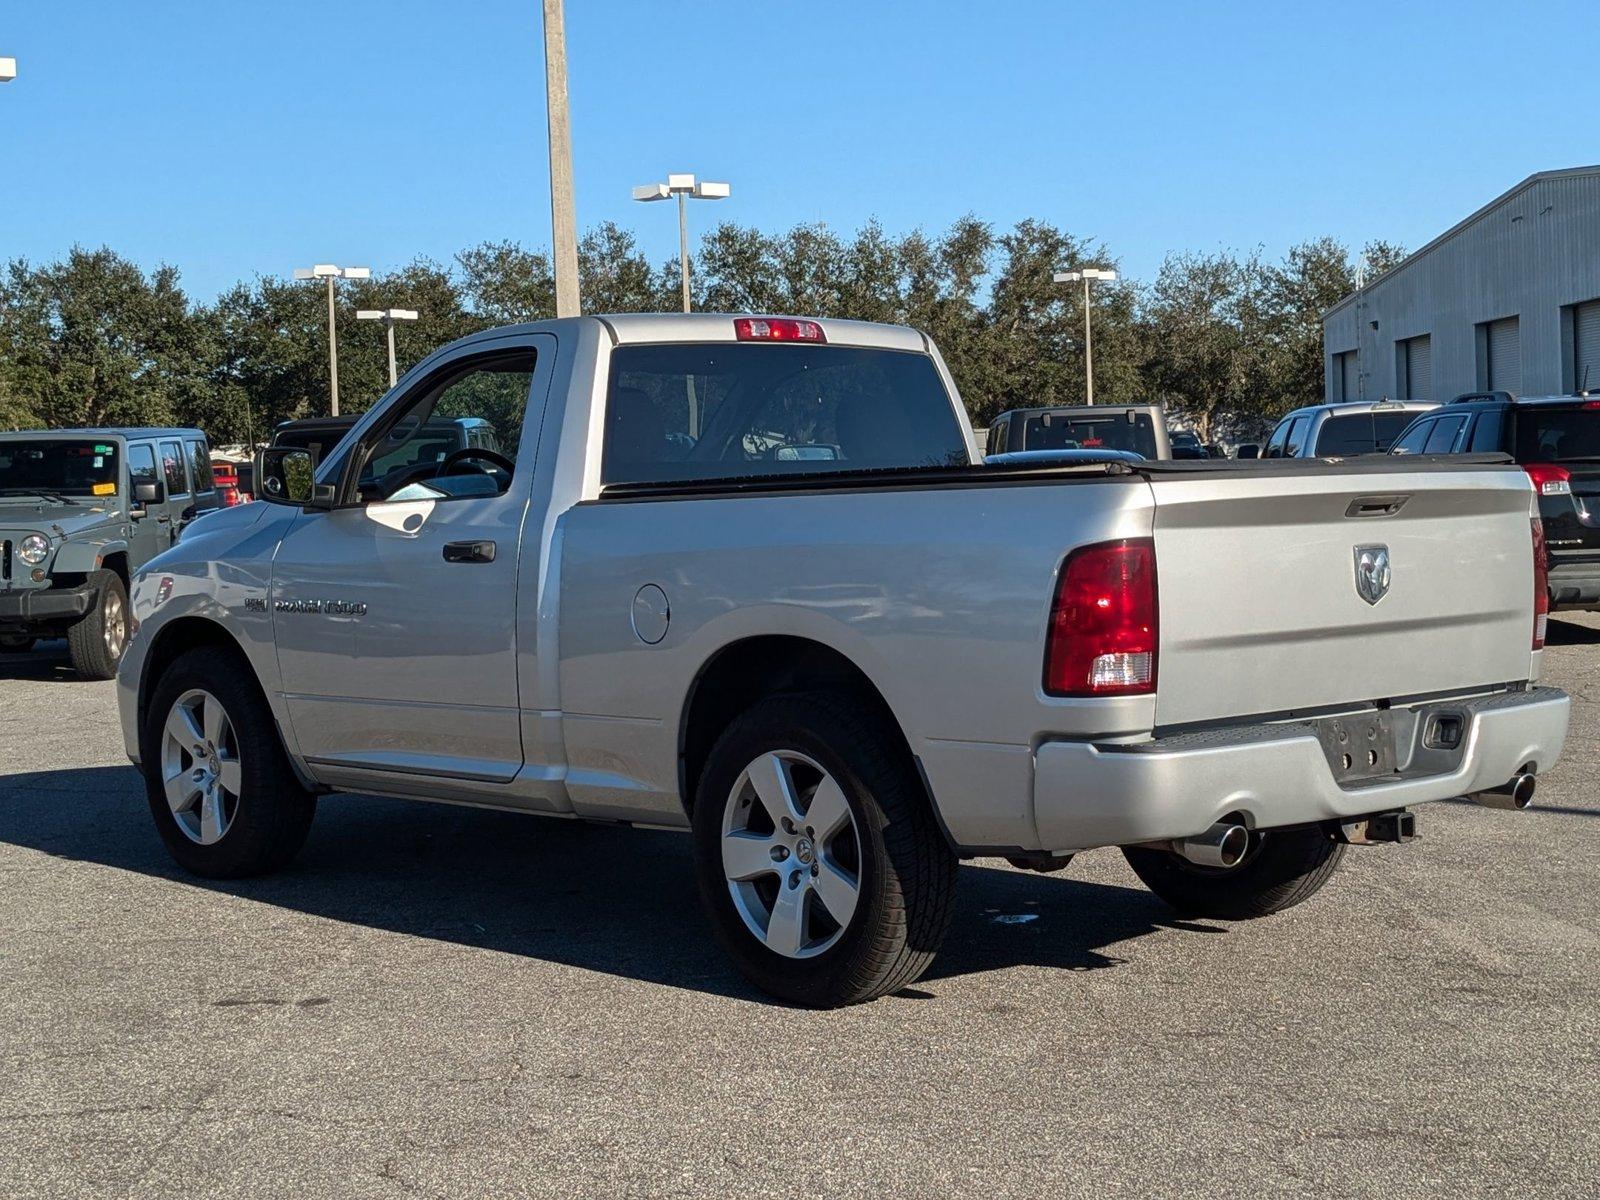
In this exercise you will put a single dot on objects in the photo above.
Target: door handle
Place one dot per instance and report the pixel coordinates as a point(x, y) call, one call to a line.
point(469, 552)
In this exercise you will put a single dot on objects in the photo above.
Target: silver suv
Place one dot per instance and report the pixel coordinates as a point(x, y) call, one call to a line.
point(1343, 430)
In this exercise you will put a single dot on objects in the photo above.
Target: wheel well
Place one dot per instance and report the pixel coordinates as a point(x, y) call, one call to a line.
point(176, 637)
point(741, 674)
point(117, 563)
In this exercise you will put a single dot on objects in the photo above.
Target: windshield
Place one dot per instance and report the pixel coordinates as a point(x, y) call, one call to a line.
point(1558, 434)
point(55, 466)
point(1114, 431)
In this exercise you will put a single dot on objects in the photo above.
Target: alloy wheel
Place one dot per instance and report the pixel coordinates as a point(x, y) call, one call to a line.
point(200, 767)
point(791, 854)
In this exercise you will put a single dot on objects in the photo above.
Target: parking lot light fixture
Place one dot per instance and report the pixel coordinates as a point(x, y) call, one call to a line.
point(685, 187)
point(1084, 275)
point(388, 316)
point(330, 273)
point(8, 69)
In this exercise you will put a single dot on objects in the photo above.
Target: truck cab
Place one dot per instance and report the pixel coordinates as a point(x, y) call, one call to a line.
point(81, 510)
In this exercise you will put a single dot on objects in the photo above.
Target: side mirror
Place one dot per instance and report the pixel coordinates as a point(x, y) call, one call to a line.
point(287, 475)
point(149, 493)
point(1249, 451)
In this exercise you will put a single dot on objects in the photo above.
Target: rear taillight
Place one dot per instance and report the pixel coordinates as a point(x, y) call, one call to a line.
point(1541, 585)
point(776, 329)
point(1549, 479)
point(1102, 636)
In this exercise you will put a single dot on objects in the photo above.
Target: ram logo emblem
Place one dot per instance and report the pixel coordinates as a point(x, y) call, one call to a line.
point(1372, 573)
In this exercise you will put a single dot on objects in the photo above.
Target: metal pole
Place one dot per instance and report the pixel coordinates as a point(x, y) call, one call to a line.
point(1088, 345)
point(563, 205)
point(683, 246)
point(333, 354)
point(393, 378)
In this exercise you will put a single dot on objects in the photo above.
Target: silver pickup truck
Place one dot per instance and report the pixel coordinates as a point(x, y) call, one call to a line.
point(749, 577)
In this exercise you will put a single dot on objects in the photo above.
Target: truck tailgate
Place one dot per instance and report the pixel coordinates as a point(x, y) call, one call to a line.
point(1259, 607)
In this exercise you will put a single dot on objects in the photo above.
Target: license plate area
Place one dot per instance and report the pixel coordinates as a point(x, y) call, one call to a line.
point(1359, 748)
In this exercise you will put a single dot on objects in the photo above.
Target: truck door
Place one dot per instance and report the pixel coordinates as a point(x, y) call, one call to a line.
point(147, 537)
point(395, 613)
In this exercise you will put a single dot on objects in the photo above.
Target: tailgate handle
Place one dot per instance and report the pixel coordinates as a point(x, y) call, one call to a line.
point(1375, 506)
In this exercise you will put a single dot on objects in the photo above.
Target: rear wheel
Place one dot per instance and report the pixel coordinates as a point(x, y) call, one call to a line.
point(1281, 868)
point(820, 863)
point(97, 641)
point(221, 790)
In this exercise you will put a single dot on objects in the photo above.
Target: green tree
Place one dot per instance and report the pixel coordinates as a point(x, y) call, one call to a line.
point(94, 340)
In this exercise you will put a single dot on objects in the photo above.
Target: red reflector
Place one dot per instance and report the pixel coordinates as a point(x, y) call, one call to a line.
point(776, 329)
point(1541, 585)
point(1590, 405)
point(1549, 479)
point(1102, 636)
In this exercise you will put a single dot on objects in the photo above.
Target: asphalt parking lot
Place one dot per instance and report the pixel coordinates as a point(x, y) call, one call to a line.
point(445, 1001)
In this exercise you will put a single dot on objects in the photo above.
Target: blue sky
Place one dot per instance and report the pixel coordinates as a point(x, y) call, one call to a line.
point(233, 139)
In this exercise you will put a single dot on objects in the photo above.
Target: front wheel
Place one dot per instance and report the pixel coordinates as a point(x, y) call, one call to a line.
point(98, 639)
point(220, 787)
point(1280, 868)
point(822, 868)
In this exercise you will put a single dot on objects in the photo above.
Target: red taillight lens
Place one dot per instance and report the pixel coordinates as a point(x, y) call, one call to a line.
point(1541, 585)
point(1102, 637)
point(776, 329)
point(1549, 479)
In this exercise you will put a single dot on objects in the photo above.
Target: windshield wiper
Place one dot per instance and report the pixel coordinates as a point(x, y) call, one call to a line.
point(54, 497)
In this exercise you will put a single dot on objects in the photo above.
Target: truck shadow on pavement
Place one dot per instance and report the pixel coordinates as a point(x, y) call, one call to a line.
point(47, 662)
point(615, 900)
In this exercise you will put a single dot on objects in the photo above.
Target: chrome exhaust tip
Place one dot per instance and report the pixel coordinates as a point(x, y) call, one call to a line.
point(1223, 845)
point(1516, 793)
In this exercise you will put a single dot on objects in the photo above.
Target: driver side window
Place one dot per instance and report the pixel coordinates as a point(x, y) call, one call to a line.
point(455, 435)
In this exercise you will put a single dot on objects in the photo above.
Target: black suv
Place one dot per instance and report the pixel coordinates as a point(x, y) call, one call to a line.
point(1556, 440)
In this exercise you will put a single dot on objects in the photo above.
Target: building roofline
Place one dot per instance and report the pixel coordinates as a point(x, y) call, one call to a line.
point(1504, 198)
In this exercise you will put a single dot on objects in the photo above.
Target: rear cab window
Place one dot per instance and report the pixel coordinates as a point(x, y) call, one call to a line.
point(682, 412)
point(1558, 433)
point(1133, 431)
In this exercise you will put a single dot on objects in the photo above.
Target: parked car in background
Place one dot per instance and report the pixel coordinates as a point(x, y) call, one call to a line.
point(1185, 443)
point(1343, 430)
point(231, 479)
point(1141, 428)
point(1556, 440)
point(82, 510)
point(839, 672)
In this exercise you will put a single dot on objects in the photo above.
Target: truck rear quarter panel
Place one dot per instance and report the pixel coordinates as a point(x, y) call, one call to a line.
point(940, 596)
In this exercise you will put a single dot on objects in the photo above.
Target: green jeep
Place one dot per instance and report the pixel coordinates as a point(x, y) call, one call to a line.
point(80, 510)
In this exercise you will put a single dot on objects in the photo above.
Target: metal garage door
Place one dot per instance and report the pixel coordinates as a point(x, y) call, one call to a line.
point(1586, 346)
point(1348, 383)
point(1505, 356)
point(1419, 368)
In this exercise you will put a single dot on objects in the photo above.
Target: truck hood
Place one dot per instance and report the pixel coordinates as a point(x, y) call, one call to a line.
point(35, 515)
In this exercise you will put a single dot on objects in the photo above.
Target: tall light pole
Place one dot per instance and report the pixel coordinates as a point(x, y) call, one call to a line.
point(563, 204)
point(388, 316)
point(330, 272)
point(683, 187)
point(1085, 275)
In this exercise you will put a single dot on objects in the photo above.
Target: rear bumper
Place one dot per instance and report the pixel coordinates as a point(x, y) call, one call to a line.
point(1574, 585)
point(1088, 794)
point(25, 606)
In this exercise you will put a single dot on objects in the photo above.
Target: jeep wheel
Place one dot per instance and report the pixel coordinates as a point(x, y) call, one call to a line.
point(221, 790)
point(825, 875)
point(1280, 868)
point(97, 641)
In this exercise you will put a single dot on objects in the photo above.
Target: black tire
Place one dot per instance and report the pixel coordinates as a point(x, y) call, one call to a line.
point(906, 872)
point(97, 640)
point(1281, 868)
point(16, 643)
point(272, 813)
